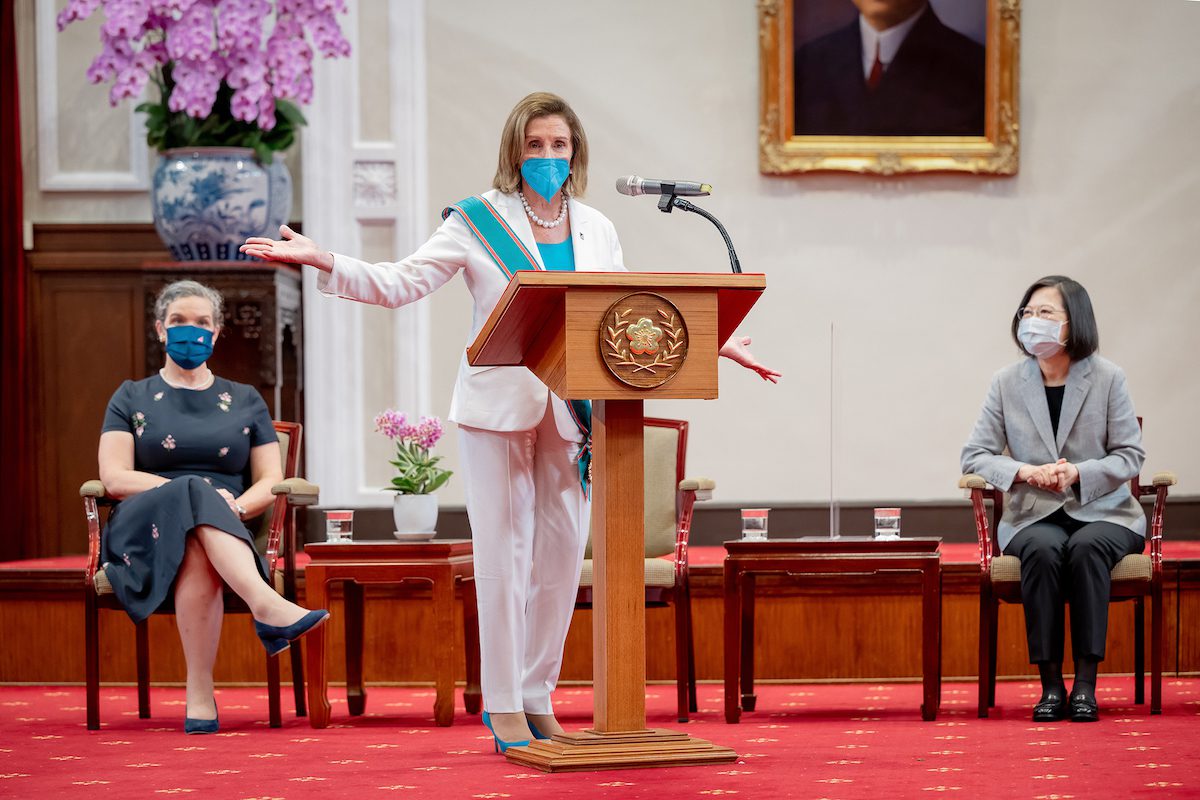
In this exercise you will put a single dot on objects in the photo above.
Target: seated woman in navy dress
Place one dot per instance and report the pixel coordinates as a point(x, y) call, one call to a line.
point(190, 456)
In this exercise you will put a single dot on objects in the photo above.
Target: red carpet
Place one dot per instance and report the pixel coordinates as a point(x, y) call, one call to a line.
point(805, 741)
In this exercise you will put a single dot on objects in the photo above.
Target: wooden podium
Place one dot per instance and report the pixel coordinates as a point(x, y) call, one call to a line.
point(618, 338)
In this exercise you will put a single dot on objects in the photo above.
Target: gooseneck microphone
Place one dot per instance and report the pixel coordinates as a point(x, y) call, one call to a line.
point(670, 199)
point(633, 186)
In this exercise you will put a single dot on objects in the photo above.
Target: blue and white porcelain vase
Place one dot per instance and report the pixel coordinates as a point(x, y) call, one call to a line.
point(208, 200)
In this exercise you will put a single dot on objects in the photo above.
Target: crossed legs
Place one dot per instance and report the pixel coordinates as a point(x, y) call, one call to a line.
point(212, 556)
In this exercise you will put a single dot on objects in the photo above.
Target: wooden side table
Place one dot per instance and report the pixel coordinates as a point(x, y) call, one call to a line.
point(820, 555)
point(442, 562)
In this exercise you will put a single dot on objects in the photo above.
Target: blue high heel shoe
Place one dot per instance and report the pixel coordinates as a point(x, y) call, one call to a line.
point(534, 730)
point(201, 725)
point(501, 745)
point(276, 640)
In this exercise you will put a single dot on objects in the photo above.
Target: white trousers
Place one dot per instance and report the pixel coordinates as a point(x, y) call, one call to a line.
point(529, 526)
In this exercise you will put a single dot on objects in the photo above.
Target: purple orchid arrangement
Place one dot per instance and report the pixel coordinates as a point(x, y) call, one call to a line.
point(222, 81)
point(418, 471)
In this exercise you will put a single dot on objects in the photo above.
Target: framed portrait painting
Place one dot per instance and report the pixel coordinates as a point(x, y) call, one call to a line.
point(888, 86)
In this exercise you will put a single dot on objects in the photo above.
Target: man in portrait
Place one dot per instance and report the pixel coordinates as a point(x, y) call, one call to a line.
point(896, 70)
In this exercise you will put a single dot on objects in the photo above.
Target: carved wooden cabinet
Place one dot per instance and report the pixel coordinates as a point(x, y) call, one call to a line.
point(92, 327)
point(260, 343)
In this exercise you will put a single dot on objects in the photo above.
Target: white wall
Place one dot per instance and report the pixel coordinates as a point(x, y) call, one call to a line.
point(918, 275)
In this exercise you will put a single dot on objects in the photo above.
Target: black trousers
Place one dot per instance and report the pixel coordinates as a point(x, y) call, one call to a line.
point(1064, 560)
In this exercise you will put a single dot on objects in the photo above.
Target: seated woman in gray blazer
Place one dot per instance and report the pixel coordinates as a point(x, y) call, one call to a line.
point(1059, 435)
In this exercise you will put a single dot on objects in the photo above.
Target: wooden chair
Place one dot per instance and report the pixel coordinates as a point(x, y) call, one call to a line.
point(668, 514)
point(1135, 578)
point(277, 538)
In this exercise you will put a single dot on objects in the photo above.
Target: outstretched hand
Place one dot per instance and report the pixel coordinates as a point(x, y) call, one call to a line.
point(293, 248)
point(737, 349)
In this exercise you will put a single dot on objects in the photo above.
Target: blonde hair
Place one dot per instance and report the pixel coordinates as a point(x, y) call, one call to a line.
point(512, 142)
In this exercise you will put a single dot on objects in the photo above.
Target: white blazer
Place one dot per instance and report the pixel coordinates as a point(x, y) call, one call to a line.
point(490, 398)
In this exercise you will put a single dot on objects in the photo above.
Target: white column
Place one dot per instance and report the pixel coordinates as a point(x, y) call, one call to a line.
point(365, 192)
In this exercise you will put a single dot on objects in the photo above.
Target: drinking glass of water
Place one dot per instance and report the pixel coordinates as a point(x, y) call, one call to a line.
point(754, 524)
point(339, 525)
point(887, 523)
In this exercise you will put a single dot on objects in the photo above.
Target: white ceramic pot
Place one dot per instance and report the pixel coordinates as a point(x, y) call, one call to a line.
point(415, 515)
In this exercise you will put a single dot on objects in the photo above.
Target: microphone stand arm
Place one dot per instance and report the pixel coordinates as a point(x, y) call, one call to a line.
point(669, 201)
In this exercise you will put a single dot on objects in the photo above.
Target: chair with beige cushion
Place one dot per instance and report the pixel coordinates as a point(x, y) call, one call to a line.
point(668, 520)
point(1135, 578)
point(276, 539)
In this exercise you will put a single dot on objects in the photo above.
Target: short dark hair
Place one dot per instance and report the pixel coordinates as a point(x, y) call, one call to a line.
point(1083, 337)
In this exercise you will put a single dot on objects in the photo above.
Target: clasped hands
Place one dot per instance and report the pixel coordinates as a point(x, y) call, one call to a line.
point(1054, 477)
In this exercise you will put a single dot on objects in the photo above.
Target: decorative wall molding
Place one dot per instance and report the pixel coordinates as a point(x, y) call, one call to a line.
point(350, 184)
point(374, 184)
point(51, 176)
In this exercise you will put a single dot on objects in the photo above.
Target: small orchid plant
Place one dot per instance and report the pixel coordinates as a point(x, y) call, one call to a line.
point(219, 83)
point(418, 471)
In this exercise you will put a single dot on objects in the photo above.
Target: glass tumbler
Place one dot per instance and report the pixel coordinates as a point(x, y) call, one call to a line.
point(887, 523)
point(754, 524)
point(339, 525)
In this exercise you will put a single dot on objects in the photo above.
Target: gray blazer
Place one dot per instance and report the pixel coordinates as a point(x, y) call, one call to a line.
point(1097, 432)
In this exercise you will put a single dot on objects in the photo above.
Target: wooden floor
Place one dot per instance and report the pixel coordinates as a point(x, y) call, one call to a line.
point(841, 630)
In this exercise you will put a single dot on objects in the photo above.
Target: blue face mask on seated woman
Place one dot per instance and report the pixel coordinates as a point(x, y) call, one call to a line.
point(545, 175)
point(189, 346)
point(1039, 337)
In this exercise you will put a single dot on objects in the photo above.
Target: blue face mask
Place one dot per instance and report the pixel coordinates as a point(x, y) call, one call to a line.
point(545, 175)
point(189, 346)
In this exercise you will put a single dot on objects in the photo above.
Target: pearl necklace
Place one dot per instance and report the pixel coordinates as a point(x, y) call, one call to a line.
point(562, 215)
point(199, 387)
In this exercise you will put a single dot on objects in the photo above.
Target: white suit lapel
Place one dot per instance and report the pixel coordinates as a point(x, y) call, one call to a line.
point(518, 220)
point(583, 243)
point(1033, 391)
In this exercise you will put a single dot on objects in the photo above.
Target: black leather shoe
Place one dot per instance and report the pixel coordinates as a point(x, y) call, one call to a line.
point(1084, 708)
point(1051, 708)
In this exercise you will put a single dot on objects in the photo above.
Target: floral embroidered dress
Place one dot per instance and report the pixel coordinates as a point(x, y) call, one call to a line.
point(201, 440)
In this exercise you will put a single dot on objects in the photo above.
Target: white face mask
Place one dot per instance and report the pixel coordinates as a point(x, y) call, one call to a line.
point(1040, 337)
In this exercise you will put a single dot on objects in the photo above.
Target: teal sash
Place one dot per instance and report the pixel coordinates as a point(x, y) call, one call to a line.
point(497, 238)
point(511, 256)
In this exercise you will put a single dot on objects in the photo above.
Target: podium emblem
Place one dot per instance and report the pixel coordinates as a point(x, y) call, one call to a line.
point(643, 340)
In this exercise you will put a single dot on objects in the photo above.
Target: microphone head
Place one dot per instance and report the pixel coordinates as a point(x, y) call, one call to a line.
point(630, 185)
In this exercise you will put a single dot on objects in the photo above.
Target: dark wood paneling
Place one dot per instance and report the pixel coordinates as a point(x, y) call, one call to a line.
point(840, 630)
point(87, 342)
point(92, 239)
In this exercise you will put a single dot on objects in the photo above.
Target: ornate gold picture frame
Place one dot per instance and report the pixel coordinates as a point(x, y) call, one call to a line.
point(782, 152)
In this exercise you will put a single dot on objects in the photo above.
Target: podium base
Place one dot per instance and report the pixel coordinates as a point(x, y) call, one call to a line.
point(594, 750)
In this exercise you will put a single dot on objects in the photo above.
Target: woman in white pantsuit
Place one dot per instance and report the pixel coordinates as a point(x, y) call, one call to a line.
point(519, 444)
